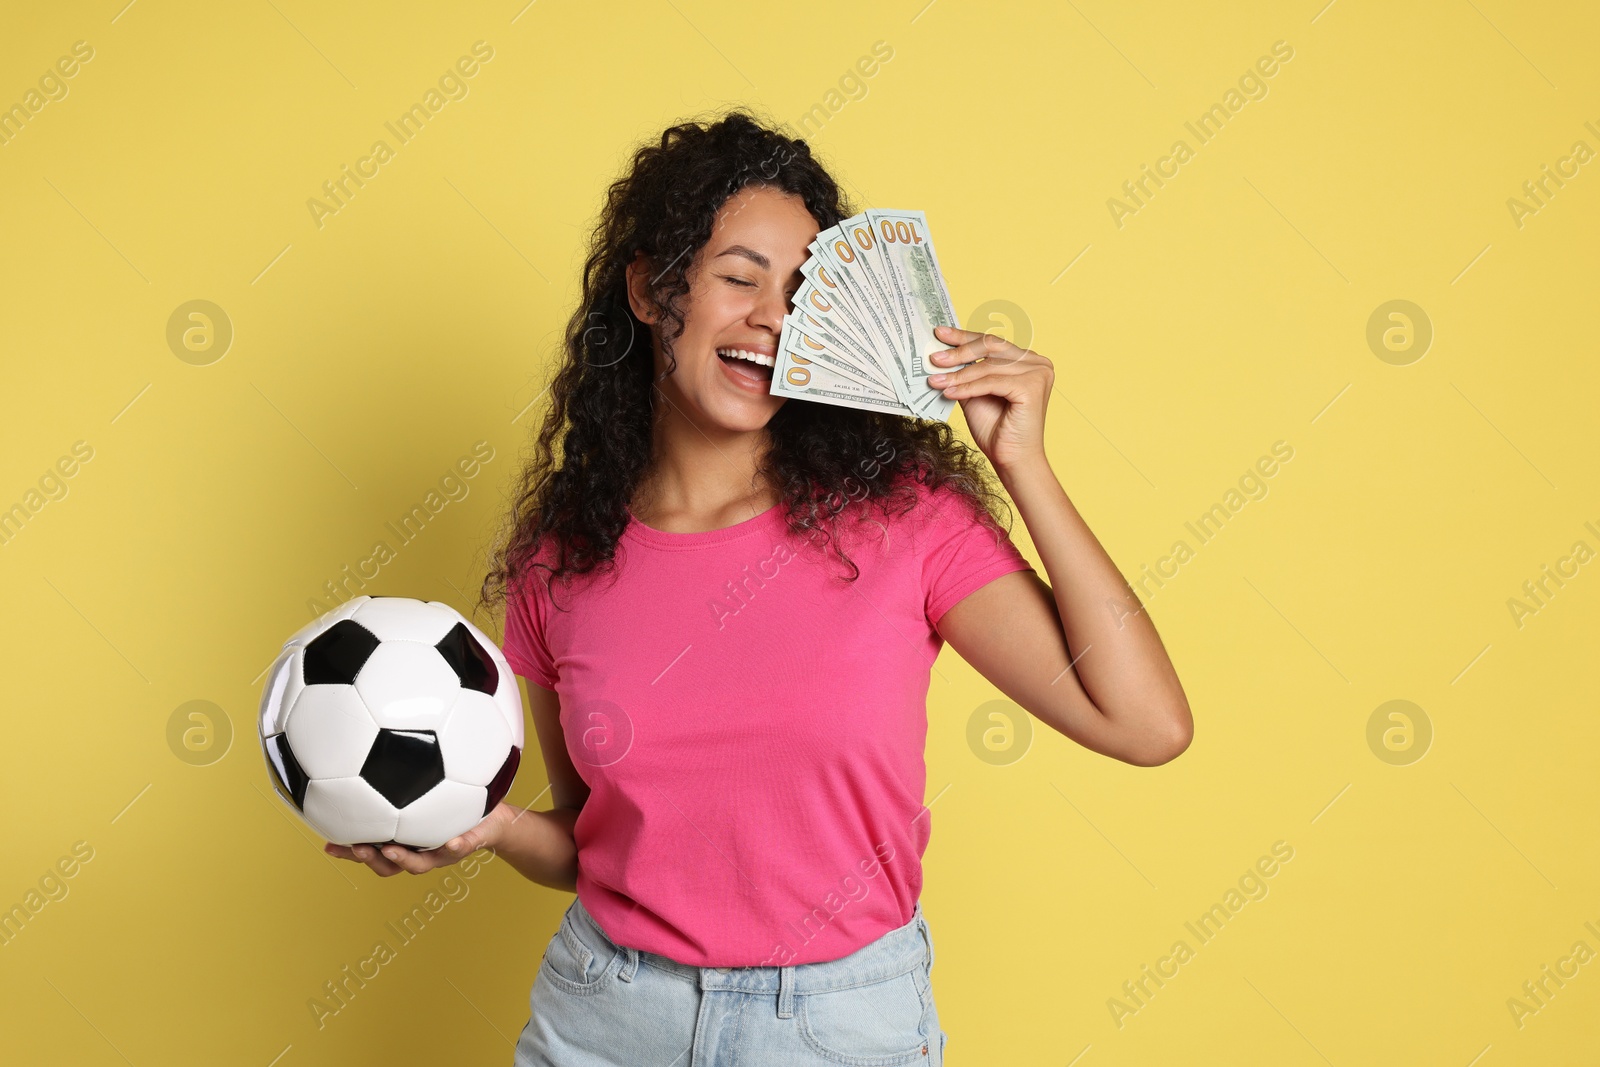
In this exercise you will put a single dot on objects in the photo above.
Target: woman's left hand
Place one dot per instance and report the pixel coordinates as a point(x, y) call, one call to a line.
point(1003, 395)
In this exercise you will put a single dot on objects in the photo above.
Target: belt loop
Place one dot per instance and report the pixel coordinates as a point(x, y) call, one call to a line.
point(631, 966)
point(927, 937)
point(785, 992)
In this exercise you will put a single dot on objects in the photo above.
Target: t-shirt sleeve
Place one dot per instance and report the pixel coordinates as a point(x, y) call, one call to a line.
point(961, 553)
point(527, 610)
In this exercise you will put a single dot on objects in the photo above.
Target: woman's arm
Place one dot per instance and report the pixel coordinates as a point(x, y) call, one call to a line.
point(1120, 696)
point(539, 844)
point(1080, 654)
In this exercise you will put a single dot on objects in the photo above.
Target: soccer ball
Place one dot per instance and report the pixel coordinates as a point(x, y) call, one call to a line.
point(391, 721)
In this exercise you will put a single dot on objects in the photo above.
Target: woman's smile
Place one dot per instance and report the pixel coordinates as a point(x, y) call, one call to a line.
point(749, 365)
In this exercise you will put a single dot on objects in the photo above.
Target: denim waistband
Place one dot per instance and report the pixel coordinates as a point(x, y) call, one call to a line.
point(901, 950)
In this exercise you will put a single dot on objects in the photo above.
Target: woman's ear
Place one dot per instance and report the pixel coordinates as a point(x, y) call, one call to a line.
point(639, 273)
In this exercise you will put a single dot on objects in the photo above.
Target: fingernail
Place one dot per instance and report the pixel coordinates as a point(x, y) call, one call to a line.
point(935, 379)
point(391, 853)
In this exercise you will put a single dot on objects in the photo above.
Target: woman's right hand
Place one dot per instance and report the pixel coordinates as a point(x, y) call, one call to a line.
point(394, 859)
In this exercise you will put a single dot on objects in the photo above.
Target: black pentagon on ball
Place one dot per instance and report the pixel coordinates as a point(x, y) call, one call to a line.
point(404, 764)
point(500, 785)
point(287, 775)
point(469, 659)
point(338, 653)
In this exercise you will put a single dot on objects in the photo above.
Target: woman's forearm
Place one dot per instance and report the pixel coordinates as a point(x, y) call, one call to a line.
point(1118, 656)
point(540, 845)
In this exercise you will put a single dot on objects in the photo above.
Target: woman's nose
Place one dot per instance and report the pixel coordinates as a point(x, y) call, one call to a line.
point(770, 309)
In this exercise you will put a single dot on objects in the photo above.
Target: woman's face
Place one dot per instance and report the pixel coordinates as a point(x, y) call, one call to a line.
point(740, 286)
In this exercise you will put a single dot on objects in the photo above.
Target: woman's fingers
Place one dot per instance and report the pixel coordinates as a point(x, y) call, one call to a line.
point(955, 335)
point(374, 859)
point(970, 345)
point(983, 385)
point(974, 371)
point(409, 860)
point(393, 859)
point(363, 854)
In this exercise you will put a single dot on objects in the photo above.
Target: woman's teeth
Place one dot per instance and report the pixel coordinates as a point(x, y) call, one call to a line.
point(752, 365)
point(753, 357)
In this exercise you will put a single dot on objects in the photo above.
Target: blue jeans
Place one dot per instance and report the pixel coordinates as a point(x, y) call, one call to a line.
point(598, 1004)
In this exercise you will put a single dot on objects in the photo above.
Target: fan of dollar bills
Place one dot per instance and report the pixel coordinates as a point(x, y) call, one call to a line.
point(863, 319)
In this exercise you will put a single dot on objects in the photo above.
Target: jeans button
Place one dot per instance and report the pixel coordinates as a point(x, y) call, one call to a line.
point(720, 970)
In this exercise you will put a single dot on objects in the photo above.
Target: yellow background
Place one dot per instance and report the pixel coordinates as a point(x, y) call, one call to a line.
point(1228, 313)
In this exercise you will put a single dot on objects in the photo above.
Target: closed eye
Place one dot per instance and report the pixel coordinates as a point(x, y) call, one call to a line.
point(740, 281)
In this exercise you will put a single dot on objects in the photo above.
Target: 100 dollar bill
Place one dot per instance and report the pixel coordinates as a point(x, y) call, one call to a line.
point(904, 242)
point(862, 327)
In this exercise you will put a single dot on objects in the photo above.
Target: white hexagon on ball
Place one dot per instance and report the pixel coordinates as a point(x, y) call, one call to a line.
point(330, 731)
point(408, 686)
point(474, 741)
point(348, 811)
point(392, 618)
point(439, 814)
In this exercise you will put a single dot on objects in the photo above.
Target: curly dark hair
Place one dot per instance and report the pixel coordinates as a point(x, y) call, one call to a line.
point(820, 457)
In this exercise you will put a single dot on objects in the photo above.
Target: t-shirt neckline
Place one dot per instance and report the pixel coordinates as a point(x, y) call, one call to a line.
point(768, 519)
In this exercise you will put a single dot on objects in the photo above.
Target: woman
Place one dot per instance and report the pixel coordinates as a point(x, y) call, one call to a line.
point(726, 605)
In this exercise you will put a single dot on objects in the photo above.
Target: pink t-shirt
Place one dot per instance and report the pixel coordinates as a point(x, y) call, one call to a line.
point(751, 726)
